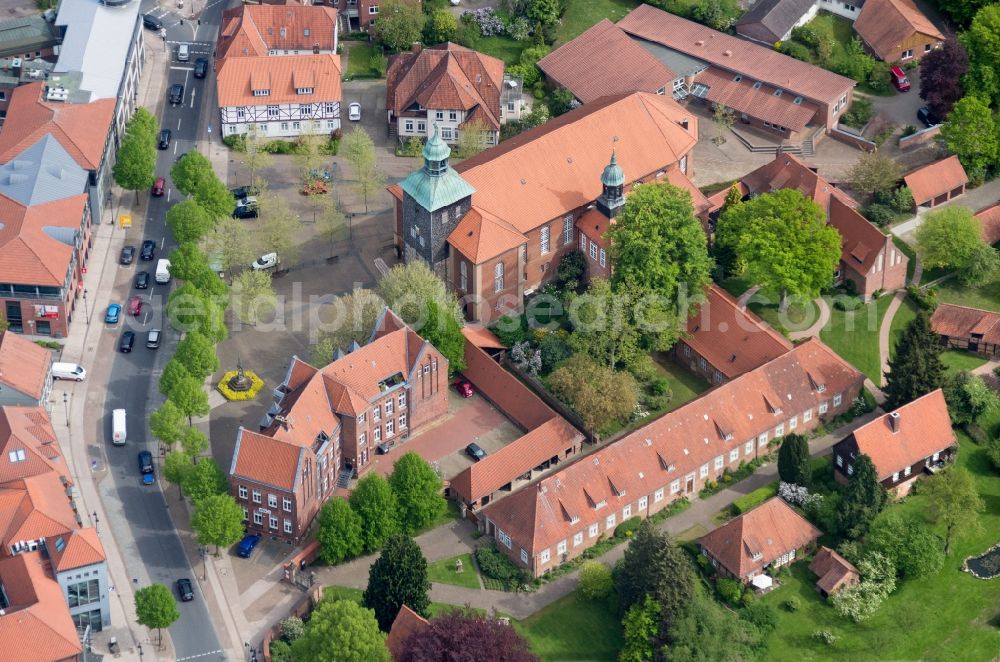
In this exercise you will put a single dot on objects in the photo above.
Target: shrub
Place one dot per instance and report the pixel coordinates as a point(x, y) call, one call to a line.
point(798, 51)
point(848, 303)
point(660, 386)
point(496, 565)
point(755, 498)
point(280, 651)
point(908, 130)
point(729, 590)
point(511, 330)
point(596, 581)
point(256, 385)
point(860, 113)
point(761, 614)
point(413, 147)
point(824, 636)
point(879, 214)
point(705, 564)
point(902, 199)
point(806, 35)
point(792, 604)
point(925, 299)
point(554, 349)
point(292, 628)
point(236, 142)
point(628, 527)
point(993, 452)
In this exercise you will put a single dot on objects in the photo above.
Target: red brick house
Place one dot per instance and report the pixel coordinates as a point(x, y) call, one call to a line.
point(834, 572)
point(896, 30)
point(769, 536)
point(971, 329)
point(326, 423)
point(564, 513)
point(495, 227)
point(277, 30)
point(902, 444)
point(869, 258)
point(937, 183)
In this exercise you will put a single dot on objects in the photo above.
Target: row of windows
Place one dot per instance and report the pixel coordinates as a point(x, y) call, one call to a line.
point(272, 521)
point(272, 500)
point(283, 126)
point(84, 593)
point(389, 407)
point(390, 430)
point(596, 252)
point(305, 110)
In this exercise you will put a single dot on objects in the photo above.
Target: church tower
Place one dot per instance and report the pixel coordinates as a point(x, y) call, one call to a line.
point(612, 188)
point(435, 198)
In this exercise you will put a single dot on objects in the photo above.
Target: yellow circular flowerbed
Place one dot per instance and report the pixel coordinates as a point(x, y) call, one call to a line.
point(256, 385)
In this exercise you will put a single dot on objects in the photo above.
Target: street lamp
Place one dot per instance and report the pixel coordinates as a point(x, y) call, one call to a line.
point(66, 407)
point(86, 306)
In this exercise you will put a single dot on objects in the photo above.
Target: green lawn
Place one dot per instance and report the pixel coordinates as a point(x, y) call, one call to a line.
point(359, 59)
point(956, 360)
point(504, 48)
point(355, 595)
point(581, 14)
point(443, 572)
point(986, 296)
point(685, 385)
point(574, 628)
point(950, 616)
point(765, 305)
point(904, 315)
point(854, 335)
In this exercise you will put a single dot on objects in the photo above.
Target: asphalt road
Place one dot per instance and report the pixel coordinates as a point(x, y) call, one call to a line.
point(133, 377)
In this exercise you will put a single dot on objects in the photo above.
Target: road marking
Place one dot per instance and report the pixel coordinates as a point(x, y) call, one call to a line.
point(193, 93)
point(178, 128)
point(181, 68)
point(195, 657)
point(163, 242)
point(145, 318)
point(169, 190)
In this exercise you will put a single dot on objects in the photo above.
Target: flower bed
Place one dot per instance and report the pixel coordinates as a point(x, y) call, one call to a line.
point(230, 394)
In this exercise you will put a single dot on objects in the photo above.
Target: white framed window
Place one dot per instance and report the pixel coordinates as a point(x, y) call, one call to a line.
point(840, 460)
point(895, 476)
point(850, 469)
point(331, 108)
point(258, 518)
point(823, 407)
point(377, 414)
point(373, 10)
point(593, 250)
point(734, 454)
point(561, 547)
point(390, 428)
point(305, 109)
point(592, 532)
point(272, 501)
point(288, 525)
point(286, 504)
point(907, 471)
point(577, 539)
point(779, 430)
point(503, 538)
point(567, 229)
point(658, 495)
point(749, 448)
point(907, 54)
point(643, 502)
point(256, 496)
point(408, 126)
point(272, 521)
point(463, 273)
point(837, 399)
point(272, 111)
point(604, 257)
point(793, 422)
point(401, 400)
point(243, 491)
point(246, 514)
point(544, 240)
point(524, 556)
point(762, 440)
point(544, 556)
point(703, 472)
point(453, 115)
point(683, 164)
point(362, 438)
point(446, 133)
point(362, 418)
point(718, 463)
point(402, 421)
point(388, 407)
point(807, 415)
point(378, 434)
point(583, 242)
point(609, 521)
point(498, 277)
point(626, 512)
point(284, 126)
point(675, 486)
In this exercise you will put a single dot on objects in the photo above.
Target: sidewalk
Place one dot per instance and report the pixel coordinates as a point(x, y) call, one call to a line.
point(457, 538)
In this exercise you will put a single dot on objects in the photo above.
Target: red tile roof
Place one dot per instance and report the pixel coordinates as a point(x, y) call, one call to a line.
point(82, 548)
point(513, 398)
point(989, 220)
point(238, 77)
point(961, 322)
point(24, 366)
point(252, 30)
point(481, 337)
point(446, 77)
point(885, 25)
point(406, 623)
point(266, 460)
point(36, 626)
point(732, 338)
point(861, 242)
point(761, 103)
point(543, 173)
point(33, 508)
point(481, 236)
point(756, 538)
point(28, 429)
point(604, 61)
point(834, 571)
point(81, 128)
point(734, 54)
point(673, 445)
point(934, 179)
point(923, 428)
point(29, 255)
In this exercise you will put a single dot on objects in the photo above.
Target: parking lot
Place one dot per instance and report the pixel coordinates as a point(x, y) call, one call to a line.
point(442, 442)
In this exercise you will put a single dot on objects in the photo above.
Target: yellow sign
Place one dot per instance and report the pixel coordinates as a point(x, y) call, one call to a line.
point(124, 221)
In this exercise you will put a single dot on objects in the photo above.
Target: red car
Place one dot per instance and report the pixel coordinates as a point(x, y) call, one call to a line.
point(899, 79)
point(464, 388)
point(159, 186)
point(135, 306)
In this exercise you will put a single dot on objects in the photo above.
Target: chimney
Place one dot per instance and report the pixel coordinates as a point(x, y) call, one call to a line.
point(894, 422)
point(727, 53)
point(416, 47)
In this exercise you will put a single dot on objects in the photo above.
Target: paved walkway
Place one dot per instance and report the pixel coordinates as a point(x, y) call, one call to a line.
point(821, 321)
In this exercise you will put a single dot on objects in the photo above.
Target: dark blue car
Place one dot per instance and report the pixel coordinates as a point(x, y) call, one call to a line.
point(146, 467)
point(246, 546)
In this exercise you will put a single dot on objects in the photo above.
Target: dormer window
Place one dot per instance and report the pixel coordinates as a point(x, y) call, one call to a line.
point(600, 504)
point(756, 556)
point(757, 85)
point(797, 101)
point(737, 78)
point(303, 90)
point(778, 92)
point(305, 32)
point(17, 455)
point(262, 93)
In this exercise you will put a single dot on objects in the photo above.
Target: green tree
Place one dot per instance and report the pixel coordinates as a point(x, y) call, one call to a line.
point(204, 480)
point(954, 503)
point(971, 133)
point(605, 328)
point(724, 119)
point(341, 631)
point(399, 24)
point(176, 467)
point(217, 520)
point(793, 460)
point(654, 565)
point(156, 608)
point(135, 165)
point(292, 628)
point(188, 222)
point(352, 319)
point(407, 288)
point(147, 121)
point(982, 41)
point(358, 150)
point(339, 532)
point(193, 175)
point(213, 322)
point(187, 261)
point(707, 632)
point(969, 397)
point(641, 627)
point(597, 393)
point(197, 353)
point(863, 499)
point(233, 244)
point(734, 196)
point(166, 423)
point(279, 230)
point(173, 374)
point(545, 12)
point(308, 155)
point(375, 503)
point(190, 398)
point(982, 266)
point(596, 581)
point(874, 173)
point(330, 224)
point(916, 368)
point(418, 492)
point(252, 294)
point(473, 138)
point(441, 26)
point(444, 330)
point(398, 577)
point(256, 156)
point(194, 442)
point(784, 241)
point(913, 550)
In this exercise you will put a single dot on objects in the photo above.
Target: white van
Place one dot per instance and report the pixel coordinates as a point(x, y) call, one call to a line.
point(68, 371)
point(183, 53)
point(118, 427)
point(163, 271)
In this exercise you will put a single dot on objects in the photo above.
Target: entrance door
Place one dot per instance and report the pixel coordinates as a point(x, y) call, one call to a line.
point(689, 488)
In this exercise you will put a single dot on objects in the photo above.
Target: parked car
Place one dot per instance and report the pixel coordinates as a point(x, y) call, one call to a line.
point(184, 590)
point(153, 339)
point(928, 118)
point(148, 250)
point(142, 280)
point(176, 94)
point(354, 112)
point(899, 79)
point(246, 546)
point(151, 22)
point(464, 388)
point(127, 342)
point(159, 186)
point(266, 261)
point(383, 448)
point(241, 192)
point(127, 255)
point(475, 452)
point(113, 313)
point(245, 212)
point(320, 174)
point(134, 305)
point(163, 141)
point(146, 467)
point(200, 67)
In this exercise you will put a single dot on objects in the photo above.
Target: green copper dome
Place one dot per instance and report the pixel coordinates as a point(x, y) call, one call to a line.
point(613, 175)
point(436, 149)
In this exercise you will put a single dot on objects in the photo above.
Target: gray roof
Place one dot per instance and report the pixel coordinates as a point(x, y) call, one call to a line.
point(26, 31)
point(42, 173)
point(769, 21)
point(681, 64)
point(96, 44)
